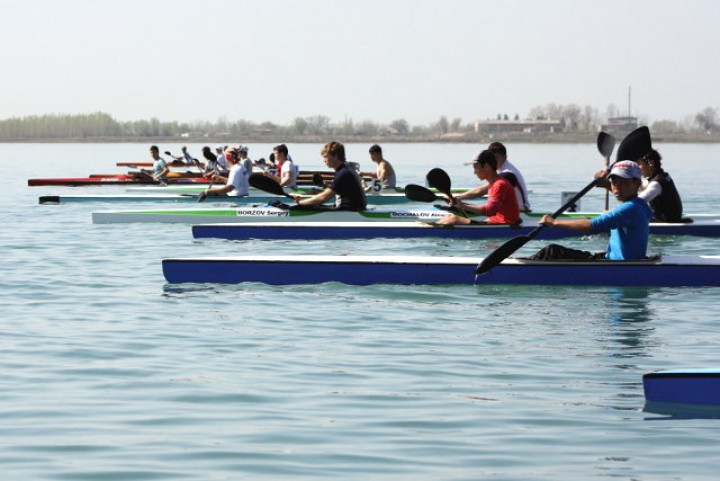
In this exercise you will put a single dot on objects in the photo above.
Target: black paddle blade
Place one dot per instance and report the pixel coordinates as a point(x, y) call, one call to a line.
point(440, 180)
point(264, 183)
point(202, 197)
point(605, 144)
point(167, 152)
point(635, 145)
point(502, 253)
point(317, 179)
point(419, 193)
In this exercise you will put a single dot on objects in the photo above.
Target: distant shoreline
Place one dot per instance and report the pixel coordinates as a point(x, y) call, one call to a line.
point(585, 137)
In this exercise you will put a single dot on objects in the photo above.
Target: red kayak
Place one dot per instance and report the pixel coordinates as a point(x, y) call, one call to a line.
point(122, 179)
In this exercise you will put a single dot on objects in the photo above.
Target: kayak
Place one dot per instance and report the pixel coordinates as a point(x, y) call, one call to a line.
point(122, 179)
point(687, 386)
point(666, 271)
point(305, 178)
point(256, 213)
point(307, 189)
point(407, 230)
point(65, 199)
point(266, 213)
point(192, 196)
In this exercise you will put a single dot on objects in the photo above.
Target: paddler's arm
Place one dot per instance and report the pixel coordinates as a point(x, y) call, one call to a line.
point(163, 173)
point(601, 179)
point(473, 193)
point(218, 190)
point(578, 225)
point(316, 199)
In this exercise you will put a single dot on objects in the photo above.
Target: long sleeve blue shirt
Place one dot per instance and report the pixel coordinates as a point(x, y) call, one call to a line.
point(629, 229)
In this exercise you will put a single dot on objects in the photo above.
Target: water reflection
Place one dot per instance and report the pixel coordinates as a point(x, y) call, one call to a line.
point(629, 312)
point(680, 411)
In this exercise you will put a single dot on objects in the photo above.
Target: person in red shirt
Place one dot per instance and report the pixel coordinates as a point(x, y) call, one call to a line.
point(501, 206)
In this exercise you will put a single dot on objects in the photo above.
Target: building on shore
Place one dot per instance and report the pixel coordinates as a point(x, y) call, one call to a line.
point(620, 126)
point(518, 126)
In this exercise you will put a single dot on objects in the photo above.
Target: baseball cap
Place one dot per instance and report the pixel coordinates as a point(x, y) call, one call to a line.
point(626, 169)
point(243, 148)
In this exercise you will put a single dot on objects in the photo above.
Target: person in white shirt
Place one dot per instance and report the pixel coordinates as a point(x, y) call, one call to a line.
point(288, 170)
point(237, 183)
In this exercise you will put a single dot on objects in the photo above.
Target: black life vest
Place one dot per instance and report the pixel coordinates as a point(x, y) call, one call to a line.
point(666, 207)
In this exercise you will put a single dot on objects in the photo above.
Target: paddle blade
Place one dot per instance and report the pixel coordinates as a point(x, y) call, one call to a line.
point(167, 152)
point(267, 184)
point(419, 193)
point(635, 145)
point(605, 144)
point(440, 180)
point(317, 179)
point(502, 253)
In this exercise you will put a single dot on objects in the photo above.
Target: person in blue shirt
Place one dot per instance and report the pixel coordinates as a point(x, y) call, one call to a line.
point(628, 223)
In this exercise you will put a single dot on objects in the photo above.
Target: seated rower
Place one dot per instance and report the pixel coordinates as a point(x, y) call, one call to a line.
point(384, 171)
point(501, 206)
point(346, 186)
point(628, 223)
point(160, 168)
point(660, 191)
point(508, 171)
point(237, 183)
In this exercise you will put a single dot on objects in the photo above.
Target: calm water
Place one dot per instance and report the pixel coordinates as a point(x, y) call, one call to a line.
point(109, 374)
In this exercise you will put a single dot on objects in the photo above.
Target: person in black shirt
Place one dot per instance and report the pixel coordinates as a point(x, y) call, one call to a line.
point(346, 186)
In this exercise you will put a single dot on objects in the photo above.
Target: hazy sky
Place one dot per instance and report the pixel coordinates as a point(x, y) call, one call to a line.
point(378, 60)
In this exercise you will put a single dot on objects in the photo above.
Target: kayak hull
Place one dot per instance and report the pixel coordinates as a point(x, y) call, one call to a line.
point(411, 230)
point(190, 196)
point(689, 386)
point(259, 214)
point(670, 271)
point(115, 180)
point(256, 213)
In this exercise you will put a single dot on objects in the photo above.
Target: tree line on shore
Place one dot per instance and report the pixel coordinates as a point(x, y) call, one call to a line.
point(575, 122)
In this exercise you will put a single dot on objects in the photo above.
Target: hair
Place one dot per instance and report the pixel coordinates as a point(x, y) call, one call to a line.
point(208, 154)
point(334, 148)
point(486, 157)
point(497, 148)
point(154, 148)
point(653, 158)
point(282, 148)
point(375, 148)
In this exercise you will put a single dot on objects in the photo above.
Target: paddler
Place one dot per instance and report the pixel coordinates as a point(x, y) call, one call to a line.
point(288, 171)
point(628, 223)
point(659, 189)
point(346, 186)
point(384, 171)
point(509, 172)
point(501, 206)
point(237, 184)
point(160, 168)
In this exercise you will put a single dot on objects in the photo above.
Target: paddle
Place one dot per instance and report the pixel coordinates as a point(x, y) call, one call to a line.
point(196, 162)
point(267, 184)
point(635, 145)
point(420, 194)
point(440, 180)
point(606, 145)
point(317, 179)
